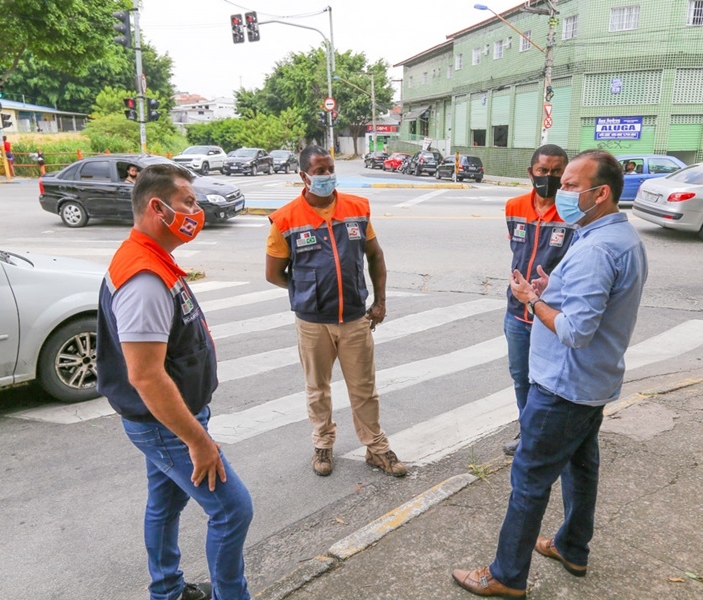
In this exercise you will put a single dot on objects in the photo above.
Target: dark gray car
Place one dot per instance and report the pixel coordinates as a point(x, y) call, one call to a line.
point(425, 161)
point(248, 161)
point(285, 160)
point(94, 188)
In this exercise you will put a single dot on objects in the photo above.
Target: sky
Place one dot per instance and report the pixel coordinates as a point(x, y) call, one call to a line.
point(197, 36)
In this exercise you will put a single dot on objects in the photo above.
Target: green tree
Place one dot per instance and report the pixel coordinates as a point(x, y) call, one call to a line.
point(66, 34)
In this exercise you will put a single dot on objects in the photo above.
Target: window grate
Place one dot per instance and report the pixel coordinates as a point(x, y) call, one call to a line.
point(688, 86)
point(695, 12)
point(617, 89)
point(686, 119)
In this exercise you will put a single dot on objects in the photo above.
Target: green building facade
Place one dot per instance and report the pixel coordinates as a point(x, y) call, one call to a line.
point(482, 91)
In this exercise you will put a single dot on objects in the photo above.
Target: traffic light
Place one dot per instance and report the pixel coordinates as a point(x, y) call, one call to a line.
point(2, 90)
point(123, 27)
point(130, 105)
point(335, 114)
point(151, 113)
point(237, 29)
point(252, 27)
point(322, 118)
point(6, 121)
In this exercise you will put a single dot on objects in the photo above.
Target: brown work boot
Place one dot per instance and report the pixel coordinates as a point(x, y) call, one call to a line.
point(482, 583)
point(322, 461)
point(388, 462)
point(546, 547)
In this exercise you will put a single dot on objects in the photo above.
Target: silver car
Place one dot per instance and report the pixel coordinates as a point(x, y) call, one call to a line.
point(48, 310)
point(674, 201)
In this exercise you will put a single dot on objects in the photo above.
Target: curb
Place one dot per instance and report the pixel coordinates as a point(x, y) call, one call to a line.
point(364, 537)
point(258, 211)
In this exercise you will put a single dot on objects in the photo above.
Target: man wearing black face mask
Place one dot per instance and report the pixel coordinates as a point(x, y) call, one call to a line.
point(539, 238)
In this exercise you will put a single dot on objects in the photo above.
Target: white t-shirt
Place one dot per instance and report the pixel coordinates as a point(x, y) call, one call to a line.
point(143, 308)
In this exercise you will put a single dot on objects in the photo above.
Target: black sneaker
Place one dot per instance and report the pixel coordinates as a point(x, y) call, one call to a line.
point(509, 449)
point(197, 591)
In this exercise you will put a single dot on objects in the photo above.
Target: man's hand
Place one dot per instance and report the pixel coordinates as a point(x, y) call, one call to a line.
point(376, 314)
point(539, 285)
point(520, 287)
point(206, 463)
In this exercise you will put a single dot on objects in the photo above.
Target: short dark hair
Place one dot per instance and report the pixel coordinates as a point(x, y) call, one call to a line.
point(157, 180)
point(307, 154)
point(609, 171)
point(548, 150)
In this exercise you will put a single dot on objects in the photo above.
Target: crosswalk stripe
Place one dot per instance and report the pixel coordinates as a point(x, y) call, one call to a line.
point(243, 299)
point(253, 325)
point(207, 286)
point(442, 435)
point(419, 199)
point(236, 427)
point(255, 364)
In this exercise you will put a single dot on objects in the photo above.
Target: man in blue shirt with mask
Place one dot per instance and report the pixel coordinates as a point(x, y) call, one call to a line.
point(585, 315)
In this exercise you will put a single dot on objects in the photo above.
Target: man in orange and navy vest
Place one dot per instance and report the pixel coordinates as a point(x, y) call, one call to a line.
point(316, 250)
point(157, 367)
point(539, 238)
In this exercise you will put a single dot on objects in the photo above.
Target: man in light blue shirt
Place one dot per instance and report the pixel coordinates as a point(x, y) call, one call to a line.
point(586, 312)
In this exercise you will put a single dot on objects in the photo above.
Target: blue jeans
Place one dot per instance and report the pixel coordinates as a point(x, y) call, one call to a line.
point(169, 469)
point(518, 335)
point(558, 437)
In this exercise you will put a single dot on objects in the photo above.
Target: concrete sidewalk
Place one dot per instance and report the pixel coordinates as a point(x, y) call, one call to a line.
point(648, 542)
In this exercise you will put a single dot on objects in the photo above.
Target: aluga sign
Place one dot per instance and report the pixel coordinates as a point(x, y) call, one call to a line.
point(618, 128)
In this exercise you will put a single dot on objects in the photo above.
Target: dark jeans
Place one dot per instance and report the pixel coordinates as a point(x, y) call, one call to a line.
point(168, 469)
point(558, 437)
point(517, 333)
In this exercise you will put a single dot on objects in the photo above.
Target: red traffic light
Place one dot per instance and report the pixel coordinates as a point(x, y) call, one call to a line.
point(130, 103)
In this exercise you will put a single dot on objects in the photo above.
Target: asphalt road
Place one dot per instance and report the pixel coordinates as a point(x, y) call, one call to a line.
point(72, 487)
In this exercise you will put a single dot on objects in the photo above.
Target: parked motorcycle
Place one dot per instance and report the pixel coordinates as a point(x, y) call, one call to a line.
point(403, 168)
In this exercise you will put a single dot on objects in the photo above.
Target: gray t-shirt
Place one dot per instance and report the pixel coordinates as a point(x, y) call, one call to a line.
point(143, 309)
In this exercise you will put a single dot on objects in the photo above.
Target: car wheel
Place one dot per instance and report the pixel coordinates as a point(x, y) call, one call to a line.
point(479, 179)
point(418, 172)
point(66, 368)
point(254, 171)
point(286, 169)
point(226, 173)
point(73, 214)
point(205, 169)
point(700, 233)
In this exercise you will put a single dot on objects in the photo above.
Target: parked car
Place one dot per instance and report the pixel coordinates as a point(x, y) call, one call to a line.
point(202, 159)
point(248, 161)
point(95, 188)
point(48, 323)
point(285, 160)
point(394, 161)
point(647, 166)
point(674, 201)
point(375, 159)
point(470, 167)
point(425, 161)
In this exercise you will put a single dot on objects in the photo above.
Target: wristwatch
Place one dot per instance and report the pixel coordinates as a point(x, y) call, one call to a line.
point(531, 305)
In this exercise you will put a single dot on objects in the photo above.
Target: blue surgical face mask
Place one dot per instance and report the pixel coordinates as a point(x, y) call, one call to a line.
point(567, 204)
point(322, 185)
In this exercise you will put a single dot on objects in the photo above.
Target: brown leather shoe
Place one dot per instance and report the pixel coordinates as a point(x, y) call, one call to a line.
point(388, 463)
point(322, 461)
point(546, 547)
point(482, 583)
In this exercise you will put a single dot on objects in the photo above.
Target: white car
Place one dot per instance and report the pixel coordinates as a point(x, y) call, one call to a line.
point(48, 323)
point(674, 201)
point(202, 159)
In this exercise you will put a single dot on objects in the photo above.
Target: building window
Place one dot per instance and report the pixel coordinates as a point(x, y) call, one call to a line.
point(500, 136)
point(695, 12)
point(478, 137)
point(525, 44)
point(624, 18)
point(450, 72)
point(497, 49)
point(410, 81)
point(476, 56)
point(571, 28)
point(458, 61)
point(425, 79)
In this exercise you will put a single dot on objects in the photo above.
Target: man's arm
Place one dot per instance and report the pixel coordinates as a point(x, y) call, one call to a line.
point(277, 271)
point(145, 368)
point(377, 272)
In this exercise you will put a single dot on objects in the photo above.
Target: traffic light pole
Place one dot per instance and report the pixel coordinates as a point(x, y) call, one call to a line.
point(141, 92)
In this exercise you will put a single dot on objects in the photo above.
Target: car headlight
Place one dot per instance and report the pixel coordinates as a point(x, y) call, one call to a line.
point(215, 198)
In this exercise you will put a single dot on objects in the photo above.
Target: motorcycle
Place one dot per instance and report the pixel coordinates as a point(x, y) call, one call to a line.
point(403, 168)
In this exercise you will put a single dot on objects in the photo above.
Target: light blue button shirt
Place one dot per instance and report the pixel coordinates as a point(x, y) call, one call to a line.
point(597, 288)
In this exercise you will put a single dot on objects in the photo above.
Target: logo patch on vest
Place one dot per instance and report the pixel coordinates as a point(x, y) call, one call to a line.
point(520, 232)
point(558, 235)
point(186, 303)
point(353, 231)
point(305, 239)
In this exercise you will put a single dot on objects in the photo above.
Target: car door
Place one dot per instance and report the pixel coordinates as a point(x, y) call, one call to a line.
point(221, 155)
point(9, 328)
point(97, 189)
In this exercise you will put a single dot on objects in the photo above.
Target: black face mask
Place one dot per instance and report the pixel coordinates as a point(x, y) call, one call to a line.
point(546, 186)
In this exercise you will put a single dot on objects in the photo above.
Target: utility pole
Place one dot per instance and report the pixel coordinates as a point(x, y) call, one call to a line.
point(548, 63)
point(373, 112)
point(141, 88)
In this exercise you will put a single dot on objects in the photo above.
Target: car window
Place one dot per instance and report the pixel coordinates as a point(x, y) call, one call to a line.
point(662, 165)
point(280, 153)
point(692, 174)
point(196, 150)
point(246, 152)
point(97, 170)
point(70, 173)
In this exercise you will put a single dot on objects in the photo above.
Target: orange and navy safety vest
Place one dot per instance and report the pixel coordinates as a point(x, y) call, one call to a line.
point(190, 351)
point(326, 274)
point(535, 240)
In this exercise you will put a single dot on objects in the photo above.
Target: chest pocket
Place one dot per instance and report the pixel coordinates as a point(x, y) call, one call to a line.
point(303, 292)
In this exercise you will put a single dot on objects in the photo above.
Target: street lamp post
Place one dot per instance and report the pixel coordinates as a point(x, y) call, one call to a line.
point(548, 59)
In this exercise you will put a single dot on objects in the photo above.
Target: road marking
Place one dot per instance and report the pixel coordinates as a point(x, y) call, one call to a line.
point(243, 300)
point(264, 323)
point(671, 343)
point(256, 364)
point(83, 252)
point(237, 427)
point(419, 199)
point(67, 414)
point(208, 286)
